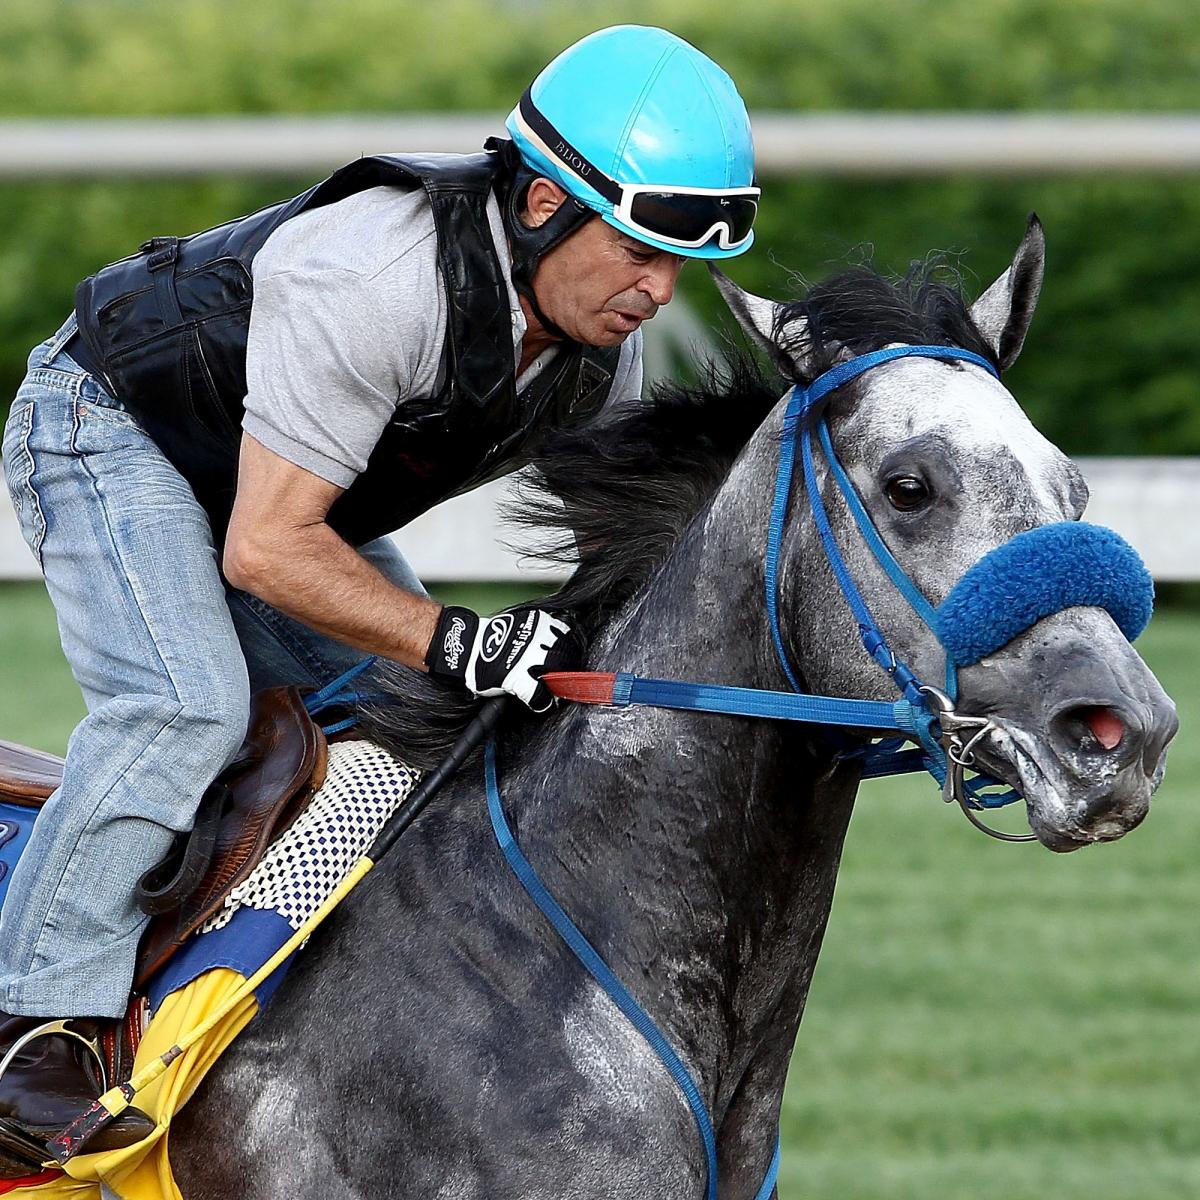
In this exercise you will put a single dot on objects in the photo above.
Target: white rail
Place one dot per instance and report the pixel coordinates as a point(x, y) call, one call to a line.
point(814, 143)
point(1146, 499)
point(1150, 501)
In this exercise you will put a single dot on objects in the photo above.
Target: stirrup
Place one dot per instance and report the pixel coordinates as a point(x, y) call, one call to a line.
point(51, 1028)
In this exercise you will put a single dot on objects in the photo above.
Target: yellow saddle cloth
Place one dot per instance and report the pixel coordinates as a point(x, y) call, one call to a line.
point(143, 1171)
point(300, 879)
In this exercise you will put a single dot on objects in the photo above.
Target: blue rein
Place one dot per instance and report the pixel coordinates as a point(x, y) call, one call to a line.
point(591, 961)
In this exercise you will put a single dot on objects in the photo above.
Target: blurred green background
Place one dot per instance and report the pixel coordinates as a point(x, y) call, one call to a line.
point(988, 1022)
point(1110, 367)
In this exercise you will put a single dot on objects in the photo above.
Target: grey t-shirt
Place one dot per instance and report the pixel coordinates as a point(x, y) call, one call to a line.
point(349, 319)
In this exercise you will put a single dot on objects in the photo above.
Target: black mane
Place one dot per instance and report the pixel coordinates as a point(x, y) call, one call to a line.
point(620, 491)
point(860, 310)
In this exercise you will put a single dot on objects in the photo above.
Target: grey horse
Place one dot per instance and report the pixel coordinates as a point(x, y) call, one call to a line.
point(436, 1039)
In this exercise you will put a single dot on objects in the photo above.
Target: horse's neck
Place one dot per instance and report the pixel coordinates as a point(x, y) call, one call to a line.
point(692, 842)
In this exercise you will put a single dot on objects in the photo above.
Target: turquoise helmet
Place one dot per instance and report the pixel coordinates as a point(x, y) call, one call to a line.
point(642, 128)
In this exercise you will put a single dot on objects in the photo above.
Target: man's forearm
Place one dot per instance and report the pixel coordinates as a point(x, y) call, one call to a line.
point(324, 582)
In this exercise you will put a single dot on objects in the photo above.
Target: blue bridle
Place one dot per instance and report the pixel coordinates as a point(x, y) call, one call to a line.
point(1036, 573)
point(799, 426)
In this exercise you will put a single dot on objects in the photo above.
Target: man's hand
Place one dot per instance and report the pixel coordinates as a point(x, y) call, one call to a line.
point(506, 653)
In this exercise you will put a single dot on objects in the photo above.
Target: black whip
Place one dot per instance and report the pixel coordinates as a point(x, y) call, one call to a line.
point(484, 722)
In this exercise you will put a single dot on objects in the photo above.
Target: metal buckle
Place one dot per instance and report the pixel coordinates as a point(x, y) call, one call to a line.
point(160, 251)
point(49, 1029)
point(960, 755)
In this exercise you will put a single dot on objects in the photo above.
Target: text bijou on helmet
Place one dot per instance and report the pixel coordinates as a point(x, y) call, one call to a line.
point(650, 133)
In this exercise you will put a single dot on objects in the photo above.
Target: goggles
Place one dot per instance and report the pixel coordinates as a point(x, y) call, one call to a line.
point(686, 217)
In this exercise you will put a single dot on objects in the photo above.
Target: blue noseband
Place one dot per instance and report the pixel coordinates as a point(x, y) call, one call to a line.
point(1038, 573)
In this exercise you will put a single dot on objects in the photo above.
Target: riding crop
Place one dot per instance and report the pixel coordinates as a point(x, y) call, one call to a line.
point(73, 1140)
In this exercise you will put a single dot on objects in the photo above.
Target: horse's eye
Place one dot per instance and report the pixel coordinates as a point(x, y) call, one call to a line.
point(906, 492)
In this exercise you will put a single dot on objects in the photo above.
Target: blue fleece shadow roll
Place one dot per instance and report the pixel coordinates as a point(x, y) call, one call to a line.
point(1038, 573)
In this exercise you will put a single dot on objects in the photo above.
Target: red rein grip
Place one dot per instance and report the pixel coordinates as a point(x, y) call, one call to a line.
point(584, 687)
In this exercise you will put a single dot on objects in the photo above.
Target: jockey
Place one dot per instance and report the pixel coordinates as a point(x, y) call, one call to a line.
point(206, 458)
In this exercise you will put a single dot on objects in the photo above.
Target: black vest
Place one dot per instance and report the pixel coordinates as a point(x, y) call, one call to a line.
point(167, 328)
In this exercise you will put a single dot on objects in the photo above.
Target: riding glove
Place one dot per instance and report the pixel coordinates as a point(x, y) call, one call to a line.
point(505, 653)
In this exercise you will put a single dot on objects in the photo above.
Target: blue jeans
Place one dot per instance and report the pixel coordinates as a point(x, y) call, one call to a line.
point(166, 654)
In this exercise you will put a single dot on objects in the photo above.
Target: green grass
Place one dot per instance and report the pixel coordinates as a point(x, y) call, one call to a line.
point(39, 702)
point(988, 1022)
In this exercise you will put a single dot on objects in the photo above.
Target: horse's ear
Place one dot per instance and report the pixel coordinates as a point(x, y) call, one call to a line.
point(1003, 313)
point(758, 316)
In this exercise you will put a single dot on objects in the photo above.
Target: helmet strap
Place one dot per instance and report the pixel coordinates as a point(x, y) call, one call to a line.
point(529, 245)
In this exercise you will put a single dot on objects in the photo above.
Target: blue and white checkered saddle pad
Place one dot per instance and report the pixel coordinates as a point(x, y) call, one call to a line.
point(363, 786)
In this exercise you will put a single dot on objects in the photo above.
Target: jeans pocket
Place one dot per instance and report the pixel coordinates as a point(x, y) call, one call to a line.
point(19, 471)
point(93, 402)
point(102, 425)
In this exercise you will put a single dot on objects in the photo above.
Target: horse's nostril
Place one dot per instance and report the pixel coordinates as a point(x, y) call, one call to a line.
point(1107, 728)
point(1091, 727)
point(1164, 728)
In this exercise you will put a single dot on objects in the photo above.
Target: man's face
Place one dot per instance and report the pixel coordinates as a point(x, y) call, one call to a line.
point(599, 284)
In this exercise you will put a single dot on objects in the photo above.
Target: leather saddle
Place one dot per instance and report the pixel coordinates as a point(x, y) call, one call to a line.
point(265, 787)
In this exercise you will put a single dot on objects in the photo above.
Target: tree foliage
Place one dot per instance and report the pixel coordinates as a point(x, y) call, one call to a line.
point(1110, 366)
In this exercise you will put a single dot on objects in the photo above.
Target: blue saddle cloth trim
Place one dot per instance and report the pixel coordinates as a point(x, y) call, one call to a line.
point(1040, 572)
point(243, 945)
point(16, 827)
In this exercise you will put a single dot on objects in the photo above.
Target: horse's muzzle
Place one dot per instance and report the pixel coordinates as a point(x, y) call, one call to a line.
point(1082, 727)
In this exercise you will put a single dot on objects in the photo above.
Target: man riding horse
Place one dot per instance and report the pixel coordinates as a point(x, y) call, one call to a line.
point(206, 457)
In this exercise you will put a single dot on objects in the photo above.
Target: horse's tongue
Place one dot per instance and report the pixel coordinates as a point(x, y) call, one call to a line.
point(1106, 727)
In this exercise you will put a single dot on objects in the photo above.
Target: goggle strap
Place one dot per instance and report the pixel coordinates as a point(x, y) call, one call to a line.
point(573, 159)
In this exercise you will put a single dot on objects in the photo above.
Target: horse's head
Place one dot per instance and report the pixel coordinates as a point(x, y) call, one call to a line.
point(949, 469)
